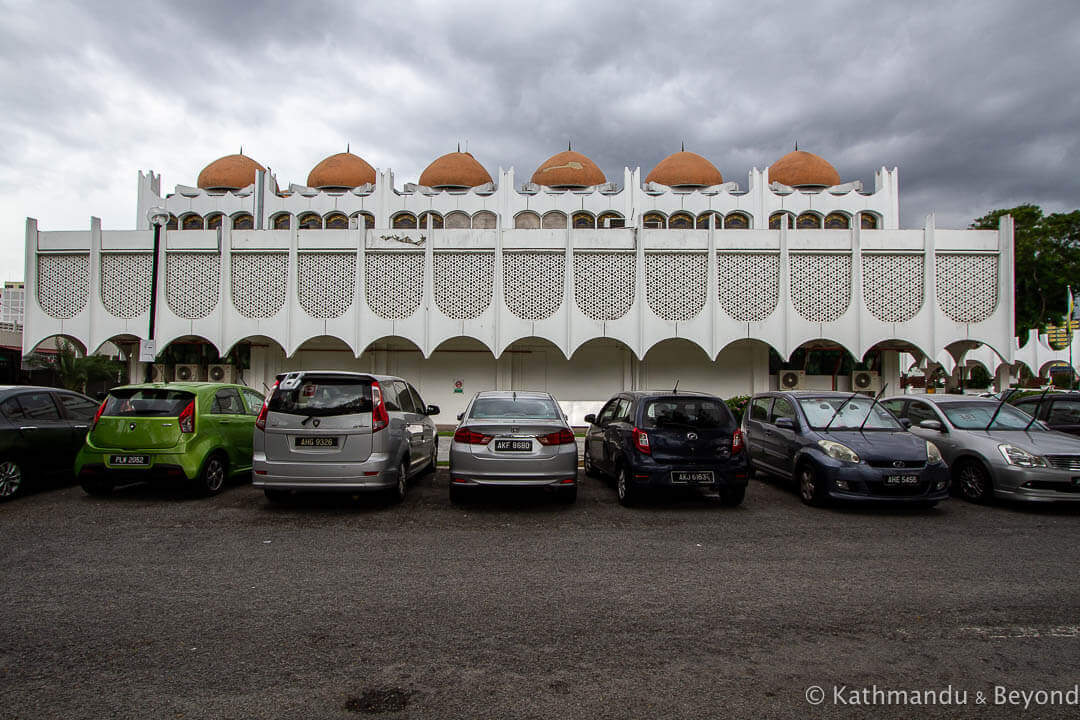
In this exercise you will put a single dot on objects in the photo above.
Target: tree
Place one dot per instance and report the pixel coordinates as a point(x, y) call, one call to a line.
point(1046, 259)
point(75, 371)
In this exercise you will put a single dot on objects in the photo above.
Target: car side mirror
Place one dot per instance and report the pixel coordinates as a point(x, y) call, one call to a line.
point(785, 423)
point(931, 425)
point(905, 423)
point(432, 409)
point(590, 418)
point(460, 416)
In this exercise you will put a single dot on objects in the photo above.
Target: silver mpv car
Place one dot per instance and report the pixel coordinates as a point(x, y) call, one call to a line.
point(342, 431)
point(513, 438)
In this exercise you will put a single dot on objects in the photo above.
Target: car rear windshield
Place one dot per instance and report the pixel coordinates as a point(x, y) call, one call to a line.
point(692, 412)
point(531, 408)
point(322, 396)
point(820, 410)
point(975, 416)
point(146, 402)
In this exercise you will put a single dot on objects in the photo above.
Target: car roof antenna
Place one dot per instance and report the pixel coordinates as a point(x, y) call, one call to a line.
point(675, 390)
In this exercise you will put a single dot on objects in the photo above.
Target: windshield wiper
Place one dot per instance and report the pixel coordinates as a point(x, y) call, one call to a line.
point(1004, 397)
point(306, 420)
point(1038, 406)
point(839, 408)
point(871, 408)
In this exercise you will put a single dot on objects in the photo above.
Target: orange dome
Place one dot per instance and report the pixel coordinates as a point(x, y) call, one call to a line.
point(568, 169)
point(343, 170)
point(231, 172)
point(685, 168)
point(800, 168)
point(457, 170)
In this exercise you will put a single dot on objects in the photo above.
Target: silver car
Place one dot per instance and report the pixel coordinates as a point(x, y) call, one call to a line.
point(343, 431)
point(513, 438)
point(994, 449)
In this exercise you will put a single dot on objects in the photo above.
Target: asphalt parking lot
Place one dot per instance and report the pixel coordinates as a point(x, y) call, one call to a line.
point(153, 604)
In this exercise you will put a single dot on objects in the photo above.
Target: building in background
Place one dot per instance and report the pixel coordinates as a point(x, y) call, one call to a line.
point(12, 305)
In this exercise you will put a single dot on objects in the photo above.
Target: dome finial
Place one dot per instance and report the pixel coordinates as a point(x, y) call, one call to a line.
point(568, 147)
point(347, 148)
point(796, 146)
point(459, 146)
point(684, 146)
point(241, 149)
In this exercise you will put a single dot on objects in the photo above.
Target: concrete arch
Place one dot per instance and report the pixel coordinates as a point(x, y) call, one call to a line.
point(242, 220)
point(894, 343)
point(119, 340)
point(681, 220)
point(281, 221)
point(526, 220)
point(264, 340)
point(823, 340)
point(45, 341)
point(164, 342)
point(755, 341)
point(336, 220)
point(192, 221)
point(311, 338)
point(645, 351)
point(527, 340)
point(611, 341)
point(392, 340)
point(309, 220)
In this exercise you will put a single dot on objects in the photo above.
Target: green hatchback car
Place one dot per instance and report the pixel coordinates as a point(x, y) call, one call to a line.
point(195, 432)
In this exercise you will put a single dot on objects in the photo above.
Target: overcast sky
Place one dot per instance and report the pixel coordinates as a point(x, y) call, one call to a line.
point(976, 103)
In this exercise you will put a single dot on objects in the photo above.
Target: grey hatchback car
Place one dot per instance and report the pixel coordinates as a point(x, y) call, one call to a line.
point(513, 438)
point(993, 449)
point(342, 431)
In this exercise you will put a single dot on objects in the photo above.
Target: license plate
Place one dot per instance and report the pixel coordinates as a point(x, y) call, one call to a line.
point(692, 476)
point(316, 442)
point(513, 445)
point(902, 480)
point(130, 460)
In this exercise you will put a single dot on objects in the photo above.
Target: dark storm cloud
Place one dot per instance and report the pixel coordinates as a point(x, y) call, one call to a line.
point(974, 102)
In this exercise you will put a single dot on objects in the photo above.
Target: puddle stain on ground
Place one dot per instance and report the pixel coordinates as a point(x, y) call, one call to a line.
point(379, 700)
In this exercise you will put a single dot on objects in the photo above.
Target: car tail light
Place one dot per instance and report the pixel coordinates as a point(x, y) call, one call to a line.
point(379, 417)
point(97, 415)
point(467, 436)
point(187, 418)
point(260, 422)
point(737, 443)
point(562, 437)
point(641, 441)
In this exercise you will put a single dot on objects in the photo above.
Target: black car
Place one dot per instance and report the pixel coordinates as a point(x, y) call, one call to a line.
point(667, 440)
point(41, 431)
point(1058, 410)
point(842, 446)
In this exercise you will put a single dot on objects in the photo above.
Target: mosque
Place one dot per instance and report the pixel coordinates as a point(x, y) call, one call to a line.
point(569, 282)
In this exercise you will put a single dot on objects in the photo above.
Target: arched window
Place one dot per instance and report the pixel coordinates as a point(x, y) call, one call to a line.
point(703, 220)
point(213, 221)
point(554, 220)
point(403, 221)
point(526, 220)
point(868, 221)
point(654, 220)
point(610, 219)
point(776, 220)
point(173, 223)
point(281, 221)
point(336, 221)
point(583, 221)
point(436, 220)
point(681, 221)
point(457, 220)
point(737, 221)
point(309, 221)
point(367, 218)
point(192, 222)
point(808, 221)
point(484, 220)
point(243, 221)
point(837, 221)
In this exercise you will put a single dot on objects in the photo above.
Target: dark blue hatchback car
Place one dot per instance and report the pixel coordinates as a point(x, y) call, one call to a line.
point(667, 439)
point(842, 446)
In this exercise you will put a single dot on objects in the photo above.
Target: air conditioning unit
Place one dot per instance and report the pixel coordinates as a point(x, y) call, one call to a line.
point(189, 372)
point(865, 381)
point(792, 379)
point(161, 372)
point(221, 373)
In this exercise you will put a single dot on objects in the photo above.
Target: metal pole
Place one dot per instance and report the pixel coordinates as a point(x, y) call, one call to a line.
point(158, 218)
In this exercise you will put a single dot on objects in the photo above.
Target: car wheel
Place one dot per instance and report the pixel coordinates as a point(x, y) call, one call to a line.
point(733, 496)
point(402, 488)
point(212, 478)
point(974, 482)
point(11, 480)
point(587, 465)
point(276, 495)
point(811, 485)
point(97, 488)
point(625, 491)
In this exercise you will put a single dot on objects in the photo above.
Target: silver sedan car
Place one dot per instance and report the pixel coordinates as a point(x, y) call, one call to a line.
point(513, 439)
point(994, 449)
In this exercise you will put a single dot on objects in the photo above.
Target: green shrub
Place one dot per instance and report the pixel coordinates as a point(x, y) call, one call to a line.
point(737, 405)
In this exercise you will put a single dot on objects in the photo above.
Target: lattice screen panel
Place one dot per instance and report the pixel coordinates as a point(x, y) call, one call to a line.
point(967, 286)
point(463, 283)
point(326, 283)
point(821, 286)
point(192, 283)
point(394, 283)
point(604, 284)
point(676, 284)
point(749, 284)
point(893, 286)
point(125, 283)
point(533, 283)
point(259, 281)
point(63, 284)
